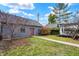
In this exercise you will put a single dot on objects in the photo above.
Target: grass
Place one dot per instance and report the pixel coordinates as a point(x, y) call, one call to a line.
point(41, 47)
point(62, 39)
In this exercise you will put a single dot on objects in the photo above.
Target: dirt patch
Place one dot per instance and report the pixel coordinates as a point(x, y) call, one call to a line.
point(11, 44)
point(19, 42)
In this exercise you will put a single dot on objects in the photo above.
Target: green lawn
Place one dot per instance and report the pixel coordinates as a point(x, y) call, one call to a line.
point(41, 47)
point(65, 39)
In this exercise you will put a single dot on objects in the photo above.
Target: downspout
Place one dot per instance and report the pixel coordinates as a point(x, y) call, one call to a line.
point(1, 35)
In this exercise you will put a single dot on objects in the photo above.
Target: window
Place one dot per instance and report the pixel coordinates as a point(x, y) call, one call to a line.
point(22, 29)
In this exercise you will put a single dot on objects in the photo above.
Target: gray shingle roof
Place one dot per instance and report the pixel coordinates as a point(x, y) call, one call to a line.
point(68, 24)
point(17, 19)
point(51, 25)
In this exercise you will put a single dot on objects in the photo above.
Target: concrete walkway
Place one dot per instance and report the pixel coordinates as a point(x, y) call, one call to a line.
point(61, 42)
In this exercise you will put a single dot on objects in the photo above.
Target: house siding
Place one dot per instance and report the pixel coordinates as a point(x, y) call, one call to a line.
point(37, 30)
point(17, 31)
point(68, 29)
point(15, 23)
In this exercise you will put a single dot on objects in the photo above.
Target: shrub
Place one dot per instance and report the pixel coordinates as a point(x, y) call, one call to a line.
point(44, 31)
point(47, 31)
point(54, 31)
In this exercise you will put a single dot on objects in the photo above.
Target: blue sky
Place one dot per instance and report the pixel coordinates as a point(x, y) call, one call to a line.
point(30, 10)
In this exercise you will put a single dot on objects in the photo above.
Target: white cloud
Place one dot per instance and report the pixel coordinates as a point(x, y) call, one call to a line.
point(52, 12)
point(21, 6)
point(29, 6)
point(46, 15)
point(15, 8)
point(24, 13)
point(14, 11)
point(28, 14)
point(4, 4)
point(70, 4)
point(43, 20)
point(50, 7)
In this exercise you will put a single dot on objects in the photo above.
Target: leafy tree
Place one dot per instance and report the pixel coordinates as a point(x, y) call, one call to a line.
point(51, 18)
point(61, 10)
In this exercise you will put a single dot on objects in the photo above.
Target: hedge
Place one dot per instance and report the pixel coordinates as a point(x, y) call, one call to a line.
point(55, 31)
point(47, 31)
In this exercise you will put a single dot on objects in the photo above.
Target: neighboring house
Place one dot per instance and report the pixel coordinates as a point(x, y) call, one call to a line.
point(17, 27)
point(52, 26)
point(68, 29)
